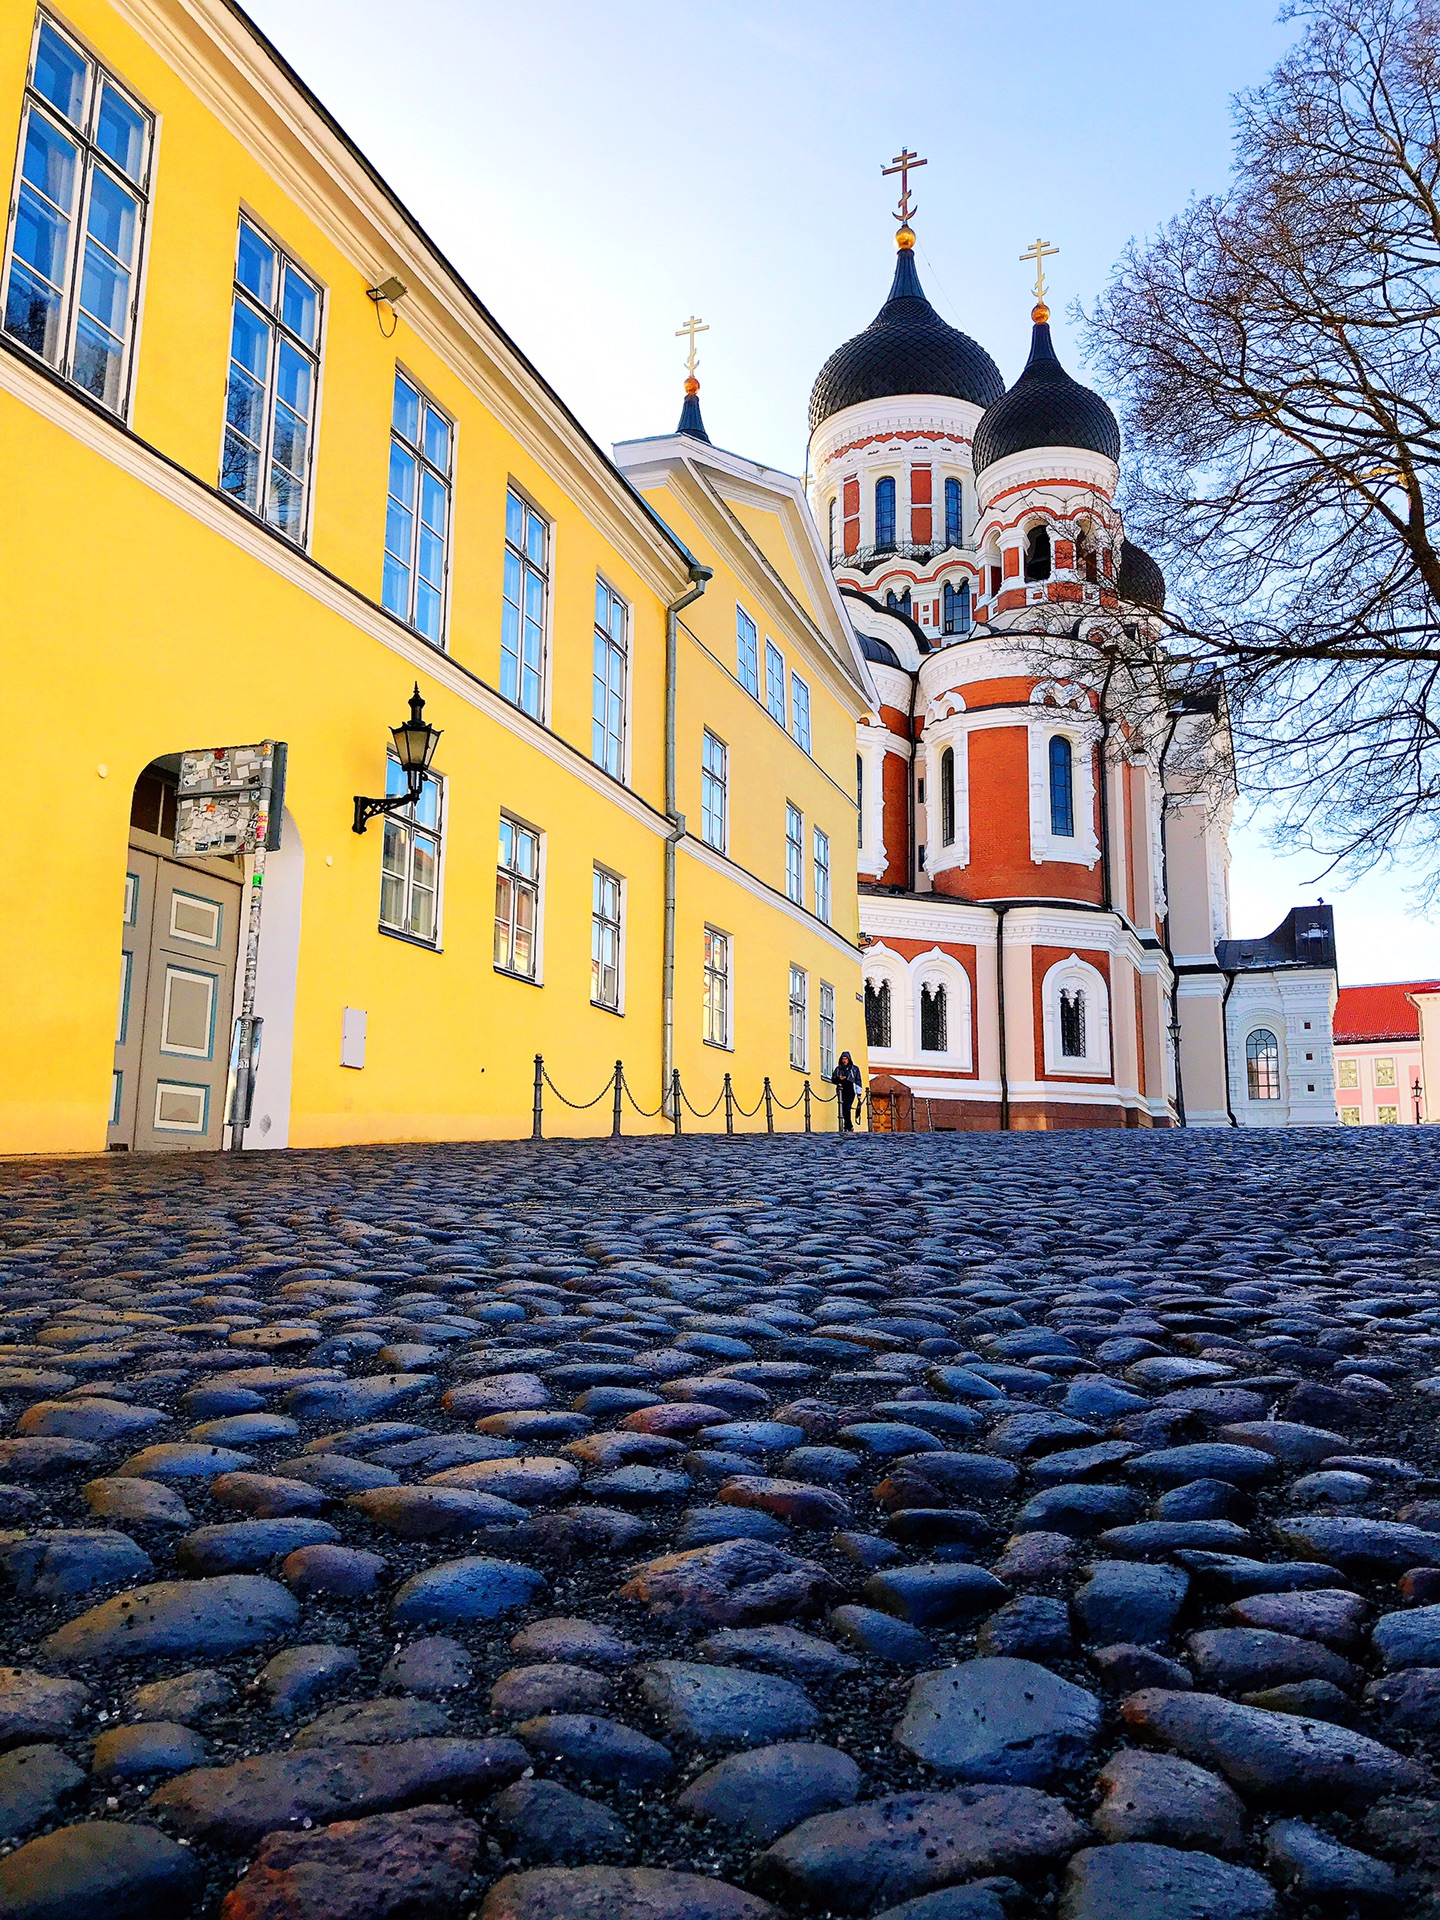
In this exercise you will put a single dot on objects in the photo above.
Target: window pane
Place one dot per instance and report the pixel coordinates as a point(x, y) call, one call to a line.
point(112, 217)
point(432, 503)
point(255, 265)
point(286, 508)
point(292, 380)
point(395, 586)
point(240, 470)
point(535, 539)
point(60, 74)
point(437, 439)
point(427, 807)
point(250, 341)
point(120, 133)
point(97, 360)
point(300, 306)
point(514, 520)
point(245, 404)
point(405, 415)
point(402, 481)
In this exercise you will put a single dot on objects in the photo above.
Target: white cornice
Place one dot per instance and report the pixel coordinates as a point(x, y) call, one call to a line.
point(706, 856)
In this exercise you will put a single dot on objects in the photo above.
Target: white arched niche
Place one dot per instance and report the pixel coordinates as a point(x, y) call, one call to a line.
point(1072, 978)
point(942, 970)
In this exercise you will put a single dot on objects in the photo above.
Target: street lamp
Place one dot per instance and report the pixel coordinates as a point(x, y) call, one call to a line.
point(415, 743)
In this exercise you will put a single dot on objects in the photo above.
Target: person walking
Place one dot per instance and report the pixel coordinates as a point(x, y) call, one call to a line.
point(846, 1079)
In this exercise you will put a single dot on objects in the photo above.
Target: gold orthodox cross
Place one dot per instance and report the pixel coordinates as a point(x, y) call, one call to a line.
point(1039, 251)
point(689, 330)
point(903, 164)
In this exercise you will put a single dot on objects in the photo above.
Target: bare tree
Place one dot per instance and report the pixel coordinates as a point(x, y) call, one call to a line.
point(1276, 352)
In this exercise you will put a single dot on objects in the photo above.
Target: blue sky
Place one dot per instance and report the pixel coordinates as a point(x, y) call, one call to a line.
point(600, 172)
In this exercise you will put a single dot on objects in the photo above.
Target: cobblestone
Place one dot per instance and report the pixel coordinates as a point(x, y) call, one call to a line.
point(737, 1528)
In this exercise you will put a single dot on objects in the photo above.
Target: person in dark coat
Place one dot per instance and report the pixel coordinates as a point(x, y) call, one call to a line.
point(846, 1079)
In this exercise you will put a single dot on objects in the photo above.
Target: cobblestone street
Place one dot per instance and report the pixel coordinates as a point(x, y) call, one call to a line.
point(943, 1528)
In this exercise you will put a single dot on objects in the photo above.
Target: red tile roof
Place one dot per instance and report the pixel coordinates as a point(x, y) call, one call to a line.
point(1367, 1014)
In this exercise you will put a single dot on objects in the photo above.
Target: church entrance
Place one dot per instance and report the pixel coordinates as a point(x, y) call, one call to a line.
point(179, 943)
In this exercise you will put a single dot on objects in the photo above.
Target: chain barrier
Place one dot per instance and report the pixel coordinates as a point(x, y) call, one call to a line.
point(618, 1089)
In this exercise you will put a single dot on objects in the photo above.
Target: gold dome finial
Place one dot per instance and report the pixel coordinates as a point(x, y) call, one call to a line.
point(1040, 313)
point(904, 163)
point(905, 239)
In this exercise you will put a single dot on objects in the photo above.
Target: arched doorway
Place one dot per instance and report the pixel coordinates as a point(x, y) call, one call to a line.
point(179, 942)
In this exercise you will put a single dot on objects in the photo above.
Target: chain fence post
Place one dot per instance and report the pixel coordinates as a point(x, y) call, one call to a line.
point(619, 1084)
point(769, 1107)
point(729, 1106)
point(807, 1106)
point(675, 1098)
point(536, 1132)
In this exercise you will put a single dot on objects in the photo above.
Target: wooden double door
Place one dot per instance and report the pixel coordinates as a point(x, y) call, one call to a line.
point(177, 987)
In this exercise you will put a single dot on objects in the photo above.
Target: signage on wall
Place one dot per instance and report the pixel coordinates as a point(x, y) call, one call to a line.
point(230, 801)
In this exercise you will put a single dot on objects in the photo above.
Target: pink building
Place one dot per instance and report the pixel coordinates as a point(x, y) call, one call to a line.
point(1380, 1077)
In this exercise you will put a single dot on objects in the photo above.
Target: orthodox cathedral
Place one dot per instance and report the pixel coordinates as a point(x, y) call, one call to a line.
point(1044, 806)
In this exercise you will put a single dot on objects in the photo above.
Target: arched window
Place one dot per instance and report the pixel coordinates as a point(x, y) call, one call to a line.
point(953, 528)
point(1262, 1065)
point(947, 797)
point(1072, 1022)
point(932, 1020)
point(1037, 554)
point(877, 1013)
point(956, 610)
point(1086, 562)
point(885, 512)
point(1062, 787)
point(898, 602)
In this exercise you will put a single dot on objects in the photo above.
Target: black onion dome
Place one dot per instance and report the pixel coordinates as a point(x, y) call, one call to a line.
point(907, 348)
point(1045, 408)
point(1140, 580)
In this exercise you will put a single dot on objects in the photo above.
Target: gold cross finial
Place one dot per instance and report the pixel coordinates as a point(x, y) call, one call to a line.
point(689, 330)
point(1039, 251)
point(904, 164)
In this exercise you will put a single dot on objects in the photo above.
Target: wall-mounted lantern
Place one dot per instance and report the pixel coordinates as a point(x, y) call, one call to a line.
point(415, 744)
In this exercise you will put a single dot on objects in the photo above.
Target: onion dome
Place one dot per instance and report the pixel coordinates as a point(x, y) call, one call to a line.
point(1140, 580)
point(1045, 408)
point(907, 348)
point(690, 421)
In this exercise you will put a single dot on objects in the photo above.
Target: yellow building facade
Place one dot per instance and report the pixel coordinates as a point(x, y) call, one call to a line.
point(250, 500)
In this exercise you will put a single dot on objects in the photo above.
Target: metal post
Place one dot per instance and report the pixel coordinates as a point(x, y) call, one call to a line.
point(535, 1131)
point(769, 1108)
point(807, 1106)
point(246, 1051)
point(675, 1097)
point(729, 1106)
point(619, 1083)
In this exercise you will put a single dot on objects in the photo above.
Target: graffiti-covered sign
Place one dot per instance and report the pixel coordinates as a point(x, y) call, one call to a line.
point(230, 800)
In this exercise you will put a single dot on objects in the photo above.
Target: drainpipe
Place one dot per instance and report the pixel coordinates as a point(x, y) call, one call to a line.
point(912, 856)
point(1000, 913)
point(1106, 876)
point(1225, 1042)
point(699, 575)
point(1165, 934)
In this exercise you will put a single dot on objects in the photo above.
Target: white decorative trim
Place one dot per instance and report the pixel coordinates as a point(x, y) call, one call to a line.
point(1075, 974)
point(1082, 848)
point(718, 863)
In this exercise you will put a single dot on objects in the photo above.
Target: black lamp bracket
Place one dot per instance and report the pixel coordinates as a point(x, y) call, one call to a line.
point(367, 810)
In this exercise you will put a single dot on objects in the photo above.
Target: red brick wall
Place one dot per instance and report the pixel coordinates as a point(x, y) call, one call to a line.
point(897, 821)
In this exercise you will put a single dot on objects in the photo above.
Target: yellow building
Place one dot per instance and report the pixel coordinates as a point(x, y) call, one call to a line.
point(279, 467)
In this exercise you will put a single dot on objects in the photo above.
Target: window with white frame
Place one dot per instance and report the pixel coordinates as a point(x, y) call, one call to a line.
point(1061, 764)
point(877, 1013)
point(271, 387)
point(417, 511)
point(78, 218)
point(1072, 1023)
point(410, 858)
point(605, 940)
point(827, 1029)
point(1350, 1116)
point(833, 504)
point(799, 1018)
point(714, 782)
point(517, 899)
point(1387, 1116)
point(1262, 1065)
point(1347, 1073)
point(794, 854)
point(1385, 1071)
point(716, 1002)
point(1076, 1014)
point(800, 710)
point(821, 875)
point(775, 682)
point(607, 733)
point(747, 652)
point(523, 613)
point(933, 1019)
point(947, 797)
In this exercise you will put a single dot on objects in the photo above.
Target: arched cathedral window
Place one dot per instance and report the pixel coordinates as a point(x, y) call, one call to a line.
point(956, 608)
point(1262, 1065)
point(1062, 787)
point(947, 797)
point(932, 1020)
point(1037, 554)
point(885, 512)
point(877, 1013)
point(953, 527)
point(898, 602)
point(1072, 1022)
point(1086, 560)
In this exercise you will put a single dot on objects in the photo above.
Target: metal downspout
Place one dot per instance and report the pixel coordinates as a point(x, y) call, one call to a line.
point(1107, 881)
point(912, 858)
point(1165, 935)
point(675, 833)
point(1000, 913)
point(1225, 1042)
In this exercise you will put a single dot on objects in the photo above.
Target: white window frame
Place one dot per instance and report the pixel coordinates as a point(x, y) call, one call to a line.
point(1347, 1074)
point(714, 791)
point(280, 335)
point(1385, 1062)
point(829, 1053)
point(91, 159)
point(1073, 720)
point(521, 884)
point(425, 467)
point(884, 967)
point(820, 873)
point(799, 1019)
point(408, 826)
point(794, 854)
point(602, 922)
point(1073, 973)
point(747, 652)
point(940, 969)
point(718, 966)
point(1276, 1030)
point(775, 683)
point(519, 562)
point(800, 711)
point(609, 731)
